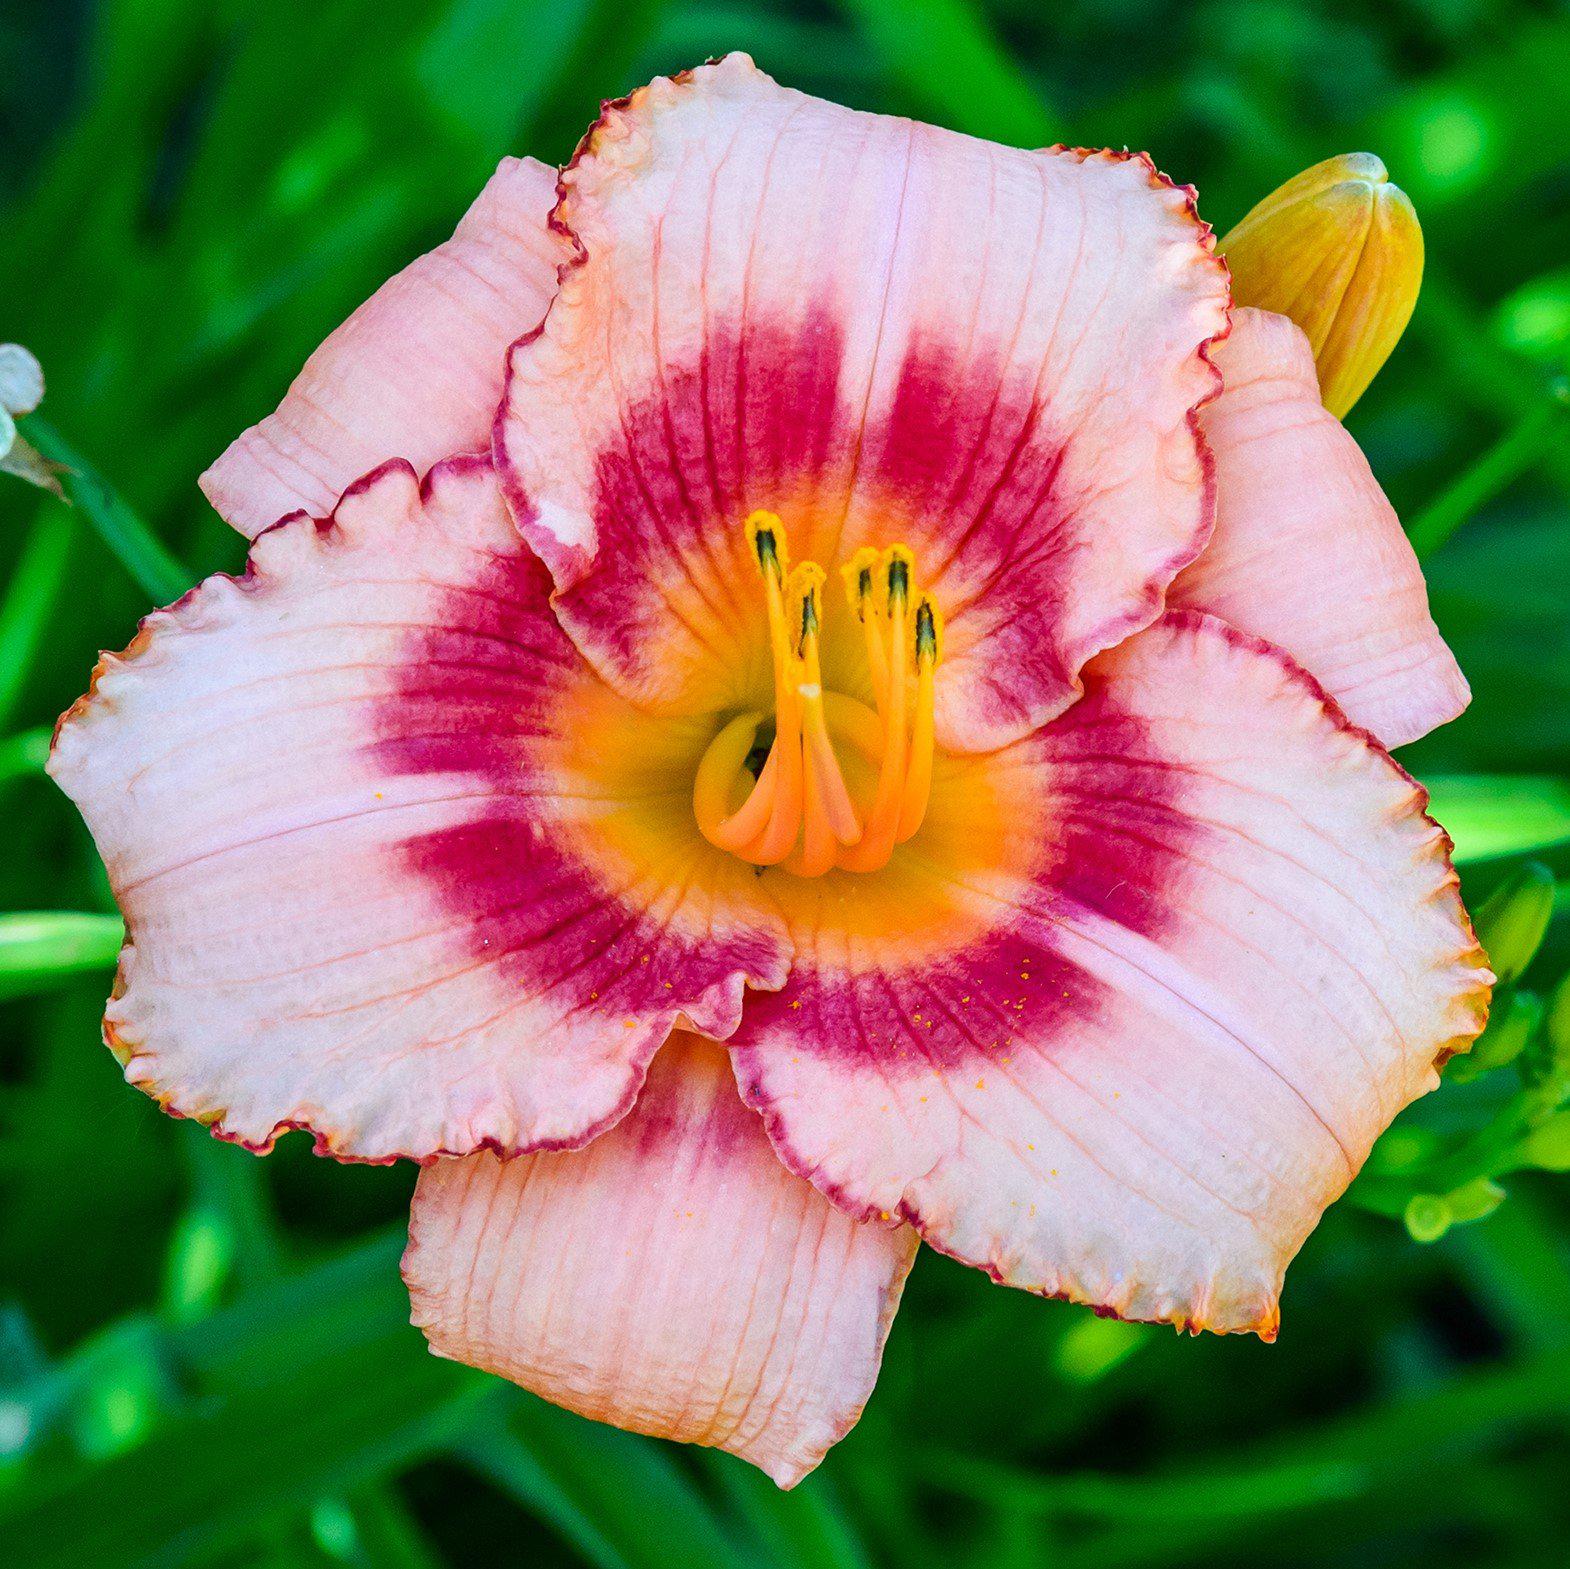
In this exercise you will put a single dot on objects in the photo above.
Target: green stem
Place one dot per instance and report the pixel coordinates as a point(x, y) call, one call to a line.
point(29, 602)
point(1509, 457)
point(134, 545)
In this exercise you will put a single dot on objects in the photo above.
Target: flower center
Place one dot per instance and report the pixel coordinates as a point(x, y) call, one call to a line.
point(794, 808)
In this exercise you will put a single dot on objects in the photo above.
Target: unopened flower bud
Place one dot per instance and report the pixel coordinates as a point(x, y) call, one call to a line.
point(1428, 1217)
point(1475, 1200)
point(1511, 921)
point(1339, 250)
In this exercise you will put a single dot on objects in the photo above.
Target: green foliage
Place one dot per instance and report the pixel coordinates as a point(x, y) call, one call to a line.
point(205, 1359)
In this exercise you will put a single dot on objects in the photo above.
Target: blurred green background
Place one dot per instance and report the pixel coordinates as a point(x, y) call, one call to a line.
point(205, 1358)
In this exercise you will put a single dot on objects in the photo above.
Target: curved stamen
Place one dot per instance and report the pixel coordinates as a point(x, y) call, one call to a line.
point(746, 826)
point(717, 774)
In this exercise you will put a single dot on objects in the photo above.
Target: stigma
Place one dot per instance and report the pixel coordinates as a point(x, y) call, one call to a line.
point(791, 806)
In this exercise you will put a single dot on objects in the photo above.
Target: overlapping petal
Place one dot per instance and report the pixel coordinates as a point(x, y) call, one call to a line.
point(880, 331)
point(396, 867)
point(414, 373)
point(673, 1278)
point(1206, 945)
point(1307, 552)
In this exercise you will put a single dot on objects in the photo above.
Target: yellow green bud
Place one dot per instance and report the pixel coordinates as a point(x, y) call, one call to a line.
point(1475, 1200)
point(1428, 1217)
point(1511, 921)
point(1339, 250)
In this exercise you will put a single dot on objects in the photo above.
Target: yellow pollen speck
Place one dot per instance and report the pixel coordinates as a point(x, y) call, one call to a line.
point(378, 795)
point(629, 1024)
point(981, 1084)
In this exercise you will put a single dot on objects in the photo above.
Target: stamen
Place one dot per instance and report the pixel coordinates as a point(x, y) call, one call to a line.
point(779, 834)
point(827, 794)
point(766, 539)
point(766, 536)
point(722, 765)
point(878, 837)
point(860, 574)
point(744, 825)
point(918, 781)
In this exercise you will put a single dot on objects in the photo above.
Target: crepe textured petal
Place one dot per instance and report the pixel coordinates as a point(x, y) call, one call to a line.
point(384, 875)
point(1203, 946)
point(673, 1278)
point(878, 331)
point(1307, 552)
point(414, 373)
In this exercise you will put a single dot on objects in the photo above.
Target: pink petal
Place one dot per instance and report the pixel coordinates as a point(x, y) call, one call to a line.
point(1307, 551)
point(883, 332)
point(1215, 946)
point(414, 373)
point(395, 865)
point(672, 1279)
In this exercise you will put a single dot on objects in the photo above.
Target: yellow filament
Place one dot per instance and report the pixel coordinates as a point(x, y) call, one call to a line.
point(779, 834)
point(717, 775)
point(918, 780)
point(766, 537)
point(826, 792)
point(744, 825)
point(861, 577)
point(762, 808)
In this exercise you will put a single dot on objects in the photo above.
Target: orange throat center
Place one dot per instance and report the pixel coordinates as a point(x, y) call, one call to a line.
point(798, 812)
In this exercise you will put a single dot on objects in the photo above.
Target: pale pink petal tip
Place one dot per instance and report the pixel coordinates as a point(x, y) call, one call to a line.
point(1307, 552)
point(672, 1278)
point(1218, 948)
point(356, 879)
point(414, 373)
point(880, 331)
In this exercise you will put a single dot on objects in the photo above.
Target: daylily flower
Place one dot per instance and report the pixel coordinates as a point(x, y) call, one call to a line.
point(832, 588)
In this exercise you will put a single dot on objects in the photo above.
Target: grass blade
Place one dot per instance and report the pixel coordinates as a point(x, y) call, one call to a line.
point(134, 545)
